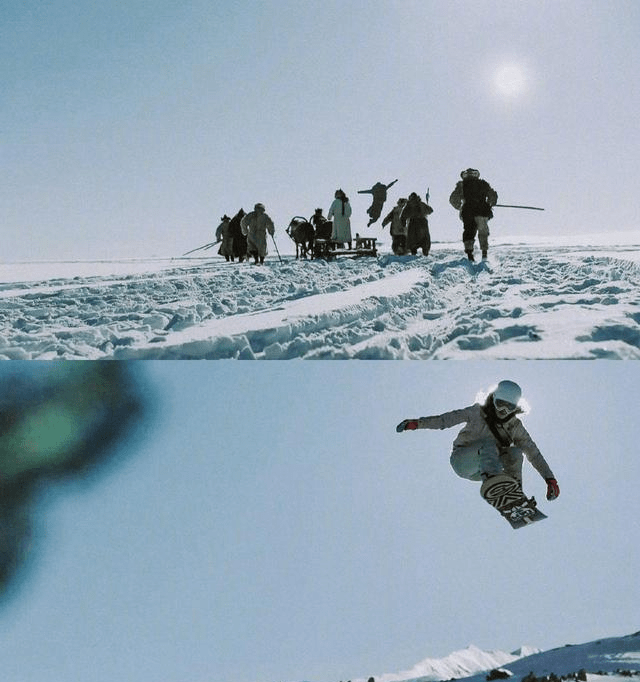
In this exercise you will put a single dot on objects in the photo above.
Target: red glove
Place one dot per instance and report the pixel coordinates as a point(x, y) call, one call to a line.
point(407, 425)
point(553, 490)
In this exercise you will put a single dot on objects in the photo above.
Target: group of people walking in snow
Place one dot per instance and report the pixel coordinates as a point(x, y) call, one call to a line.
point(245, 235)
point(409, 226)
point(473, 197)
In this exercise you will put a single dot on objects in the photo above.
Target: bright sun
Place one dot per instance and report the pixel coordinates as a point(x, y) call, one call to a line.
point(510, 80)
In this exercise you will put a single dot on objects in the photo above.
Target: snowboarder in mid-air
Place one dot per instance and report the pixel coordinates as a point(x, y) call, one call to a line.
point(379, 191)
point(474, 198)
point(491, 445)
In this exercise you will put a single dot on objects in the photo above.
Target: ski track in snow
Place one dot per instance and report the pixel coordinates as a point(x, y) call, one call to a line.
point(525, 302)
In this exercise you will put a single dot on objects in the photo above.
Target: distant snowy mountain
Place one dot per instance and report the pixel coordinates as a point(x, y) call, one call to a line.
point(615, 657)
point(459, 664)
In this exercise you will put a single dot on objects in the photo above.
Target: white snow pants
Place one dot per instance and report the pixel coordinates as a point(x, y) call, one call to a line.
point(483, 231)
point(486, 457)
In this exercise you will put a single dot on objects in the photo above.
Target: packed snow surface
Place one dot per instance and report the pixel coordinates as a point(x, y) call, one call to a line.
point(529, 300)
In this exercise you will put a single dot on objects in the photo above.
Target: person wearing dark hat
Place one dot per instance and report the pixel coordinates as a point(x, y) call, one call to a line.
point(398, 229)
point(255, 226)
point(474, 198)
point(321, 225)
point(414, 216)
point(223, 234)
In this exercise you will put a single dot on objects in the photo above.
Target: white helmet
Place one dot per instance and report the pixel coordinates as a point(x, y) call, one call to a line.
point(506, 397)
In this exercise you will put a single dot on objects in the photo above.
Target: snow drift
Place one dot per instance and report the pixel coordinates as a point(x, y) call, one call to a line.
point(526, 302)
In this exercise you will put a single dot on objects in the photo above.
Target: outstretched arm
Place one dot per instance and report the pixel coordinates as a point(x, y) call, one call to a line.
point(420, 423)
point(439, 421)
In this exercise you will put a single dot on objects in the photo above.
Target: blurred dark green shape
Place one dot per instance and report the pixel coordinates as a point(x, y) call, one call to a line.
point(56, 422)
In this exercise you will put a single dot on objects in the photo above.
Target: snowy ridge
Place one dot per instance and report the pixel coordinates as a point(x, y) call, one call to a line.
point(603, 656)
point(526, 302)
point(458, 664)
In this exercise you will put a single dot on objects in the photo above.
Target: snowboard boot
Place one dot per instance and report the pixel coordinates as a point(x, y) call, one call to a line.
point(484, 254)
point(470, 256)
point(521, 512)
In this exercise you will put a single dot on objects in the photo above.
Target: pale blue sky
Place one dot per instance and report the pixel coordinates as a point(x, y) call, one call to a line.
point(272, 526)
point(128, 128)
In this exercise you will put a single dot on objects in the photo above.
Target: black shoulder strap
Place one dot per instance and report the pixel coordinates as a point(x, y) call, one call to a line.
point(497, 429)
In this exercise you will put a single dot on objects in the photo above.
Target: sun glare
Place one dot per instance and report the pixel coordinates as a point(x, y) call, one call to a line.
point(510, 80)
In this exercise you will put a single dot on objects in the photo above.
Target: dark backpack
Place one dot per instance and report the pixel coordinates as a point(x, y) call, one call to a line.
point(474, 191)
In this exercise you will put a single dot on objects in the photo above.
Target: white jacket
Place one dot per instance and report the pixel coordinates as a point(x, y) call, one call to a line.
point(476, 429)
point(341, 224)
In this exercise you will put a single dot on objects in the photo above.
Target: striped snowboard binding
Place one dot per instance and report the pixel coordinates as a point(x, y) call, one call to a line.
point(505, 494)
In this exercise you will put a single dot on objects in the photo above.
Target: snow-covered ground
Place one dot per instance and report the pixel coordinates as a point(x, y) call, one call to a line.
point(601, 659)
point(545, 298)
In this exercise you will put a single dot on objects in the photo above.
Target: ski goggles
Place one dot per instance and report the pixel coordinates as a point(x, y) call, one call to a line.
point(504, 406)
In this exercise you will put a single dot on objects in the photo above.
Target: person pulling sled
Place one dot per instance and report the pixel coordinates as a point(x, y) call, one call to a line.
point(490, 448)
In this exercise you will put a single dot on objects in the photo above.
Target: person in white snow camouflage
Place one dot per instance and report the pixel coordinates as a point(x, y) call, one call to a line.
point(340, 213)
point(474, 198)
point(493, 440)
point(255, 226)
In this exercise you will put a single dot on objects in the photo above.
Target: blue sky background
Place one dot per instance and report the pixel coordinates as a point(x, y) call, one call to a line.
point(128, 128)
point(270, 525)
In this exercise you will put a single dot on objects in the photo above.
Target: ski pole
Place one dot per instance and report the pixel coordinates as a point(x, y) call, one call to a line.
point(208, 246)
point(199, 248)
point(278, 252)
point(531, 208)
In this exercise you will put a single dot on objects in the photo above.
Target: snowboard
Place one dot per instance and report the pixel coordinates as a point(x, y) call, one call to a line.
point(505, 494)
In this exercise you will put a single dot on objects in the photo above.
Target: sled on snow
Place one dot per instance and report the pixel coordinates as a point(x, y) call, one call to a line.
point(327, 249)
